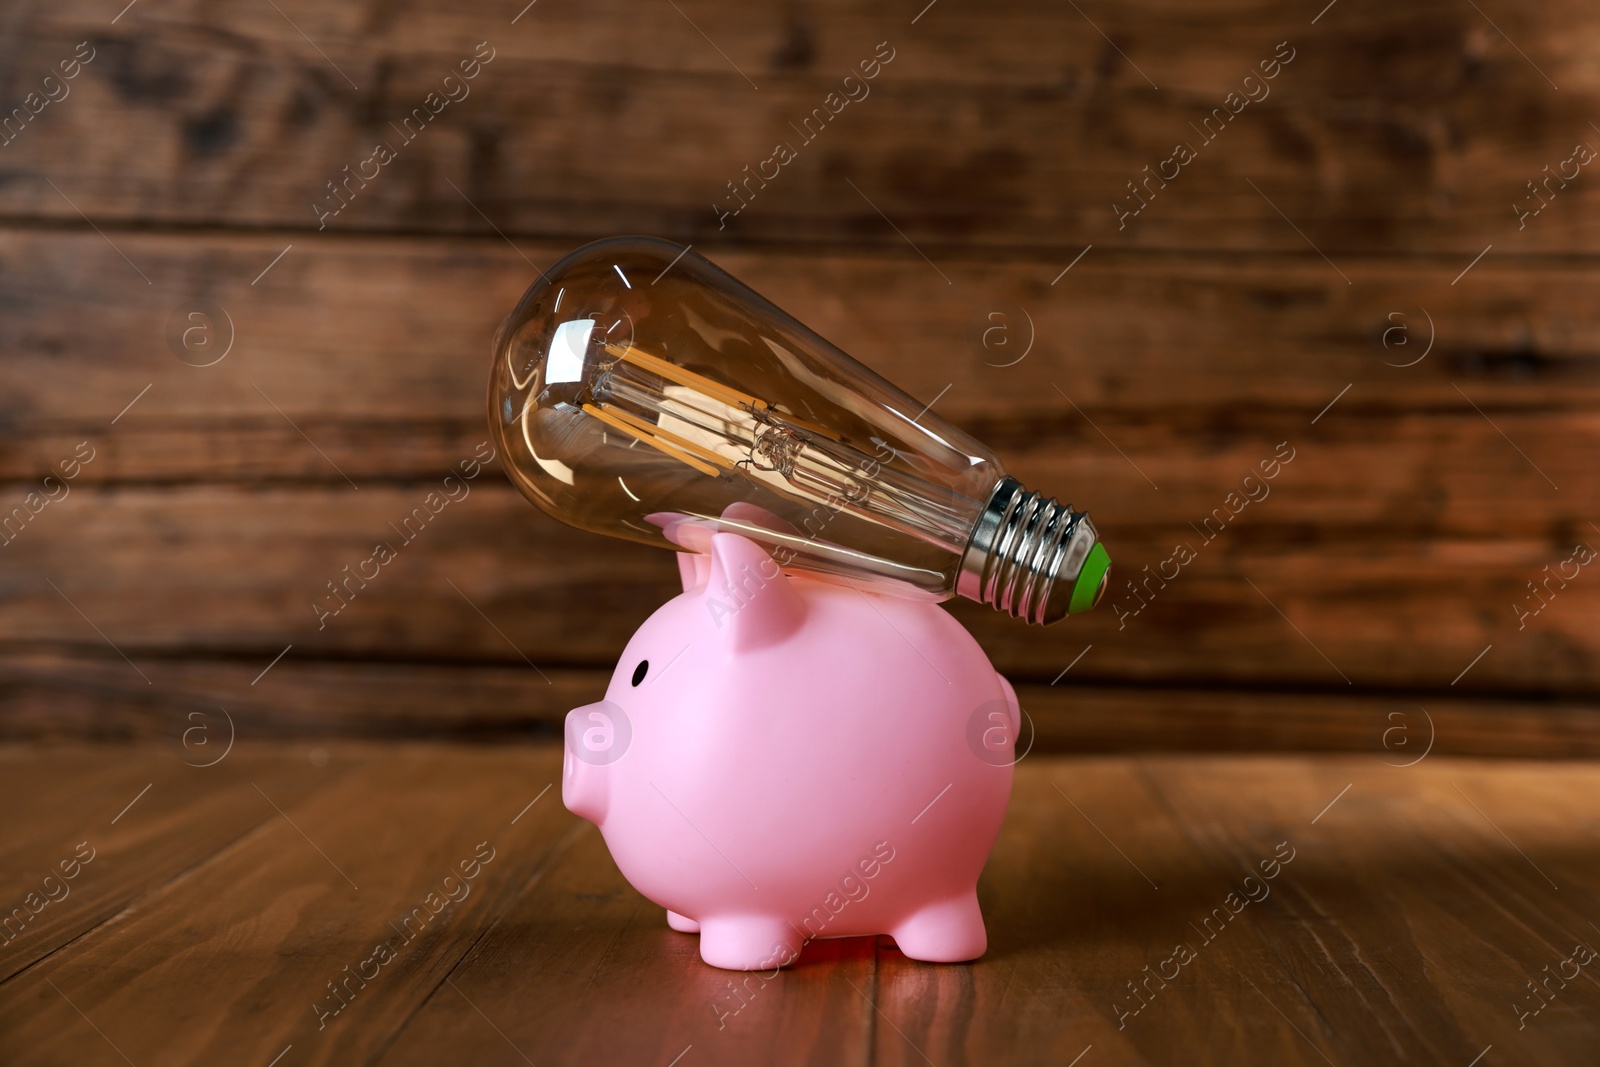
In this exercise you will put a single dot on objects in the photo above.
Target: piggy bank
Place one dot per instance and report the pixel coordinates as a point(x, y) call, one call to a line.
point(782, 757)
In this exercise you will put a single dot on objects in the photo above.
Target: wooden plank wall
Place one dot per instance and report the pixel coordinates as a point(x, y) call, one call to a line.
point(1349, 267)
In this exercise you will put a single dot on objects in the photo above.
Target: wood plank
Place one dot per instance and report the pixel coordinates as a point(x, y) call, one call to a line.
point(1399, 729)
point(140, 825)
point(331, 336)
point(236, 974)
point(55, 696)
point(591, 931)
point(1402, 462)
point(1359, 474)
point(89, 694)
point(240, 570)
point(1392, 912)
point(630, 120)
point(228, 571)
point(1373, 941)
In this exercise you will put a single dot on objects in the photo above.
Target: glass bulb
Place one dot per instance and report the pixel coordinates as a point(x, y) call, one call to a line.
point(640, 391)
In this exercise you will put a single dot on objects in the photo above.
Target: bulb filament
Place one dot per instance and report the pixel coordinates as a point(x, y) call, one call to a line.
point(715, 430)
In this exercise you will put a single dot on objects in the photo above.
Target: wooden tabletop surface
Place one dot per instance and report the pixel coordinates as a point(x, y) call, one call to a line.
point(211, 908)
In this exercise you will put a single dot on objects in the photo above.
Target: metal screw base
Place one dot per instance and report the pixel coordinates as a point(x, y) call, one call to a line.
point(1026, 554)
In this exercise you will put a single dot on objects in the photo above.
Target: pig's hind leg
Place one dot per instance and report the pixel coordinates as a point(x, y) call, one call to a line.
point(682, 923)
point(748, 942)
point(946, 931)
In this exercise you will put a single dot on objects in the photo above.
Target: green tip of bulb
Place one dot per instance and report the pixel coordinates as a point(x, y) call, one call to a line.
point(1091, 581)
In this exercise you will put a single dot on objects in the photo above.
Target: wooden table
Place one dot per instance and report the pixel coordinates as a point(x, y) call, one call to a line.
point(1409, 909)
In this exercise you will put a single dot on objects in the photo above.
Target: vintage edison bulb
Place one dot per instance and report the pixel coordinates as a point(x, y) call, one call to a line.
point(640, 391)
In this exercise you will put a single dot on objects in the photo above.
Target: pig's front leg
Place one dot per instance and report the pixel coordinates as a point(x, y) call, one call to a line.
point(682, 923)
point(748, 942)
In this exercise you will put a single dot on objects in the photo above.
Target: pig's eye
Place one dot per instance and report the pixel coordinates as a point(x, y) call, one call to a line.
point(639, 672)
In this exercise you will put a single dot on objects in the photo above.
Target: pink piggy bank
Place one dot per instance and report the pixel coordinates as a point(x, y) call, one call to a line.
point(781, 757)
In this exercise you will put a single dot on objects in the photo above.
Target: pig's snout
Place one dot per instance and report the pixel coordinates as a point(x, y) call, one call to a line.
point(597, 735)
point(583, 789)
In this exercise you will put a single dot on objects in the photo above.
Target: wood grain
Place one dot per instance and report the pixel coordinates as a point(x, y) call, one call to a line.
point(58, 697)
point(93, 694)
point(1408, 911)
point(333, 873)
point(591, 930)
point(1399, 540)
point(142, 826)
point(1002, 125)
point(1305, 280)
point(240, 572)
point(335, 333)
point(1418, 493)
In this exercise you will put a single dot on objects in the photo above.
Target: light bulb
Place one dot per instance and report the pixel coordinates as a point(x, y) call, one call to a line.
point(640, 391)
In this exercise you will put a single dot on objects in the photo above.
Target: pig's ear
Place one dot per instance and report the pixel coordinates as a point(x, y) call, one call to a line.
point(695, 569)
point(751, 600)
